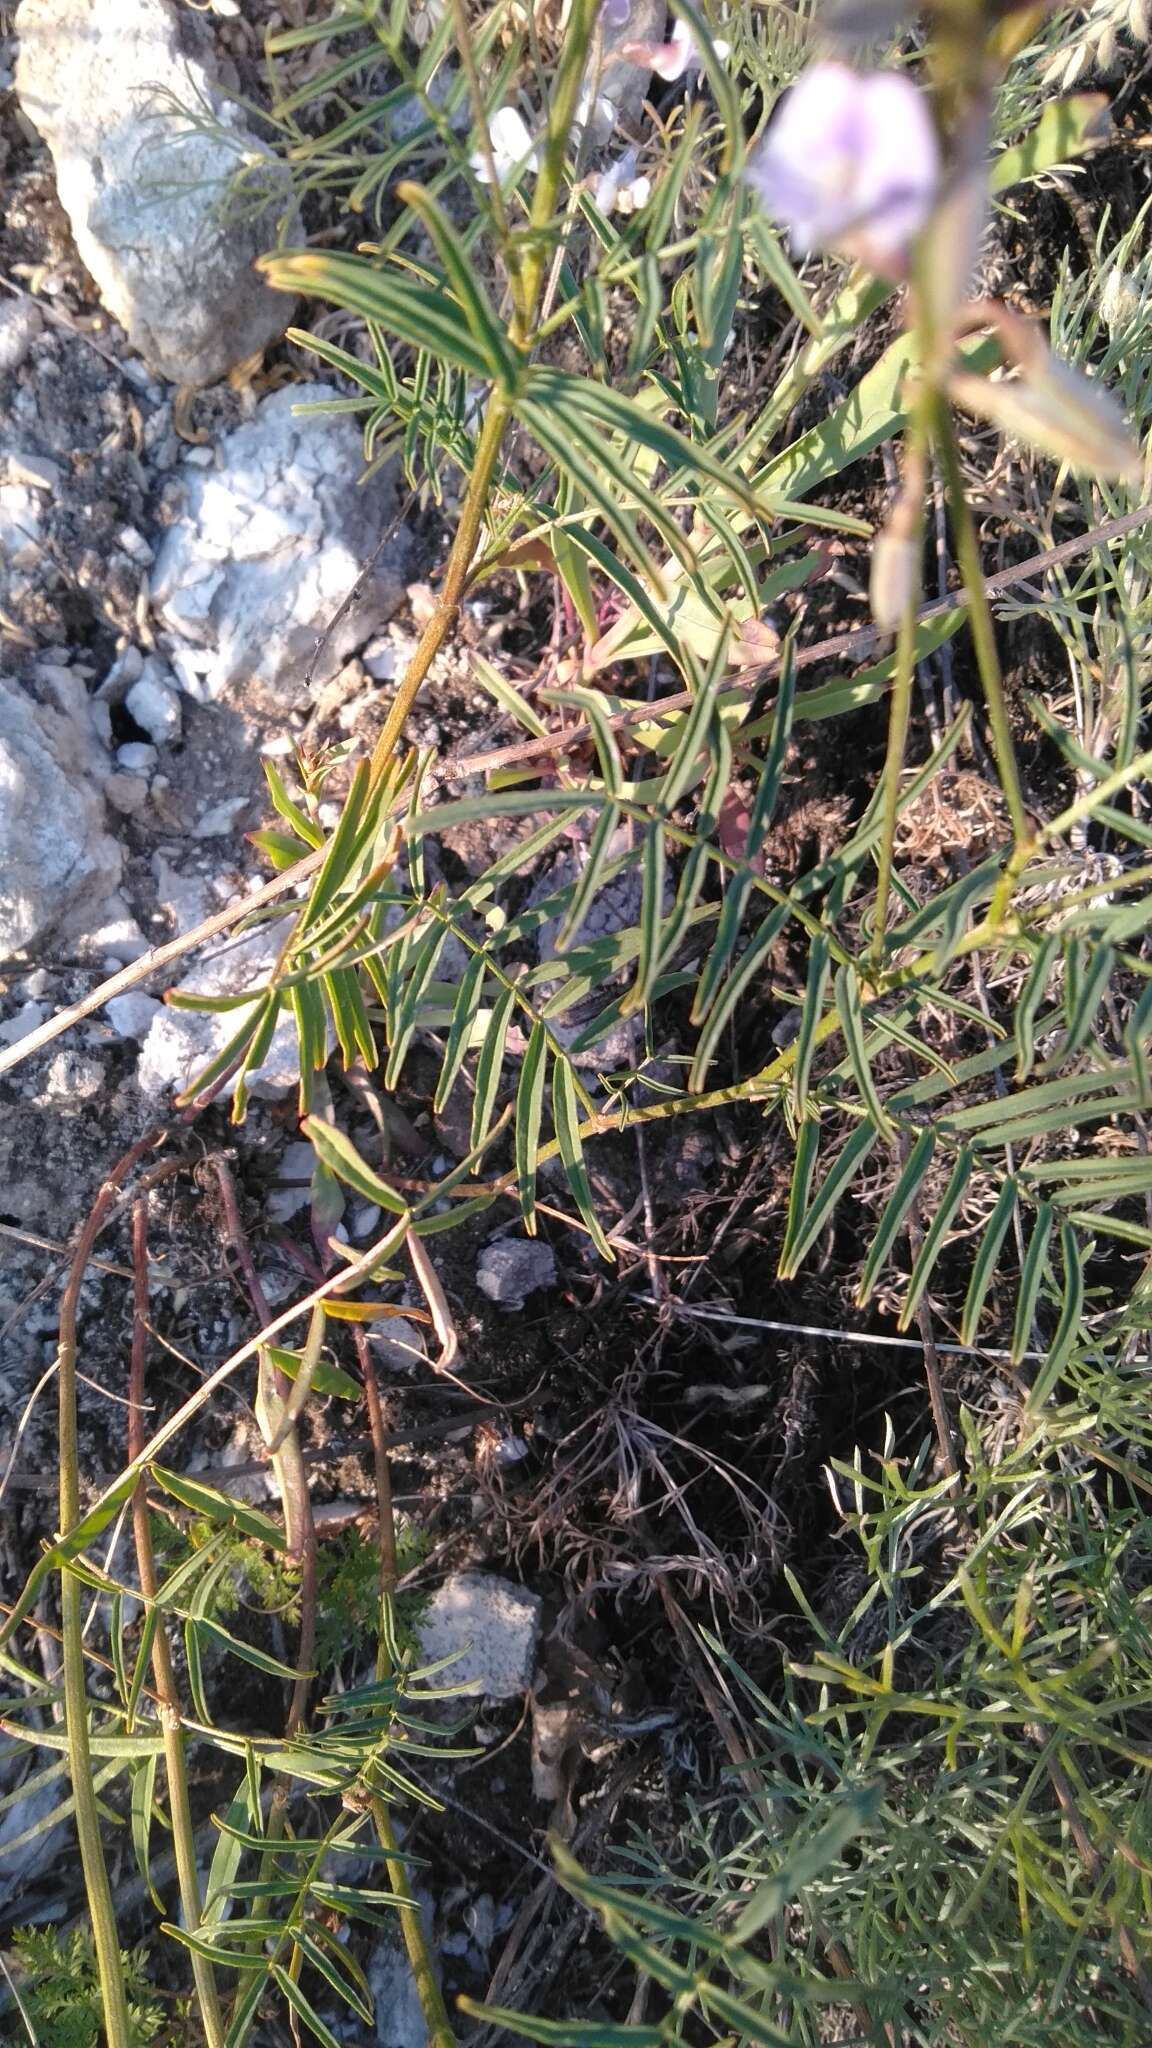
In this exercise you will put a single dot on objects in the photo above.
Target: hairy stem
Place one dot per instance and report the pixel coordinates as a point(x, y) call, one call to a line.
point(455, 583)
point(287, 1459)
point(105, 1935)
point(981, 625)
point(910, 511)
point(175, 1759)
point(527, 269)
point(431, 1997)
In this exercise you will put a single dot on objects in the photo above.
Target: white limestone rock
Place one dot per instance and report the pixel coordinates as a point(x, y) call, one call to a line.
point(59, 867)
point(270, 542)
point(145, 146)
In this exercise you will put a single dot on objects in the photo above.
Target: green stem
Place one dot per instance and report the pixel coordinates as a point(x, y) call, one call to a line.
point(528, 267)
point(981, 625)
point(455, 583)
point(431, 1997)
point(175, 1757)
point(105, 1935)
point(912, 530)
point(436, 2021)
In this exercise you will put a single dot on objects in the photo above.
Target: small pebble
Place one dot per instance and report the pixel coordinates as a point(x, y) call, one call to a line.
point(126, 793)
point(512, 1268)
point(155, 706)
point(20, 322)
point(127, 669)
point(131, 1015)
point(134, 545)
point(38, 472)
point(25, 1020)
point(379, 659)
point(137, 757)
point(220, 819)
point(72, 1080)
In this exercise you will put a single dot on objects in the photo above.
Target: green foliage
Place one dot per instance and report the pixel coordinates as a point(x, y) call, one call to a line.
point(60, 1992)
point(965, 1077)
point(348, 1597)
point(944, 1830)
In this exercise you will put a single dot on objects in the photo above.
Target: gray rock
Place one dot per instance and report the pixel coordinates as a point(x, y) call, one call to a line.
point(181, 1043)
point(117, 937)
point(21, 526)
point(132, 1015)
point(58, 866)
point(39, 472)
point(220, 819)
point(490, 1626)
point(399, 1344)
point(186, 897)
point(136, 757)
point(399, 2017)
point(127, 794)
point(155, 705)
point(293, 1187)
point(271, 542)
point(72, 1080)
point(512, 1268)
point(623, 86)
point(144, 146)
point(20, 322)
point(26, 1019)
point(127, 668)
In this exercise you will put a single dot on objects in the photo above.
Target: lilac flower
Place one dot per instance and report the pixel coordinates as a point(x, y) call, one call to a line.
point(672, 59)
point(619, 190)
point(851, 162)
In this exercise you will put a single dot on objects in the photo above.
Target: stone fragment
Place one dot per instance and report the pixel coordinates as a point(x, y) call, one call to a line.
point(155, 705)
point(220, 819)
point(271, 542)
point(137, 757)
point(127, 794)
point(20, 322)
point(490, 1627)
point(146, 148)
point(39, 472)
point(181, 1043)
point(58, 865)
point(132, 1015)
point(512, 1268)
point(25, 1019)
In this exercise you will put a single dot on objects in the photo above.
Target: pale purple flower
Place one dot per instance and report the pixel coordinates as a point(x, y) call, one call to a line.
point(850, 162)
point(513, 149)
point(619, 190)
point(679, 54)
